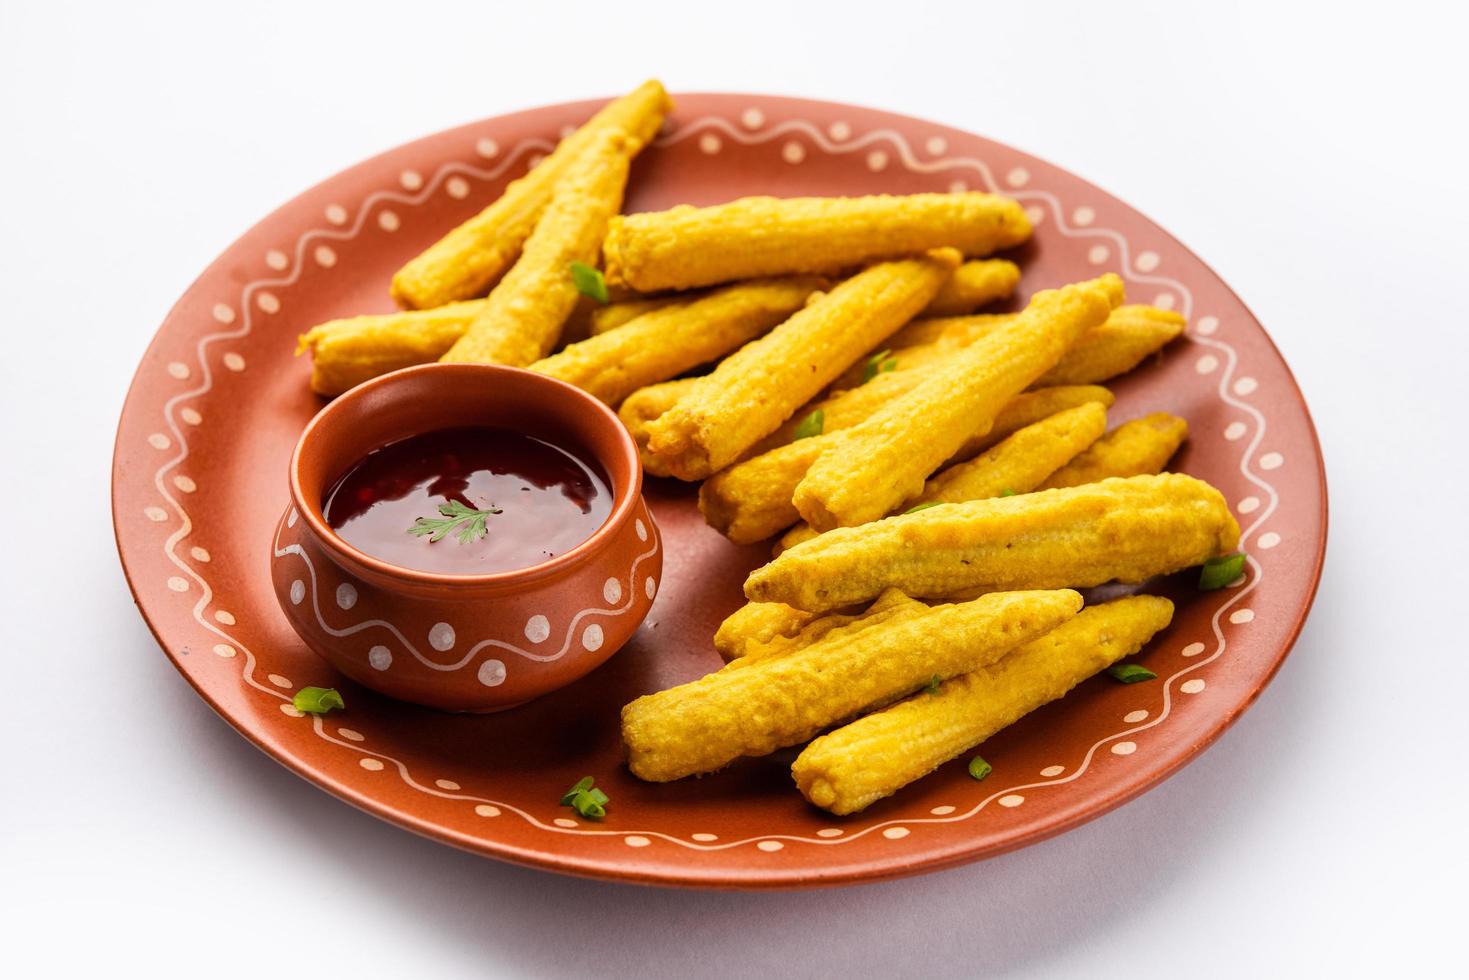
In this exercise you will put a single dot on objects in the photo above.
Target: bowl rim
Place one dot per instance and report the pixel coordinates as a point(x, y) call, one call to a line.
point(624, 500)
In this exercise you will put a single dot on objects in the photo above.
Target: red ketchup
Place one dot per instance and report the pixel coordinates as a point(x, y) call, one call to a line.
point(468, 501)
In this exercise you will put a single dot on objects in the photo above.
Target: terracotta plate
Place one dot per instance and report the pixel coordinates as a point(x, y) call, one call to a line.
point(199, 479)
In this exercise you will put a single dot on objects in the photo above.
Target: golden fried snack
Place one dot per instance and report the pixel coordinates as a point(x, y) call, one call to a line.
point(768, 236)
point(1021, 462)
point(878, 464)
point(468, 260)
point(843, 409)
point(1017, 465)
point(890, 607)
point(751, 501)
point(1130, 334)
point(947, 335)
point(1119, 529)
point(757, 388)
point(757, 624)
point(524, 314)
point(670, 340)
point(974, 284)
point(875, 756)
point(784, 700)
point(348, 352)
point(614, 315)
point(1141, 446)
point(645, 405)
point(1030, 407)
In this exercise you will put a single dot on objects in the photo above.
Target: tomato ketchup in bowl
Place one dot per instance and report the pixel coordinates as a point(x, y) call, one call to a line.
point(465, 536)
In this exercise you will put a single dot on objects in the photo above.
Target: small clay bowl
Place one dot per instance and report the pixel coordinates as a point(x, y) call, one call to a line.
point(464, 642)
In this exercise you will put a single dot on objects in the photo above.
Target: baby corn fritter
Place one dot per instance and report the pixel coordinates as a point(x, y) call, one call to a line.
point(471, 258)
point(767, 236)
point(1133, 448)
point(704, 725)
point(1119, 529)
point(875, 756)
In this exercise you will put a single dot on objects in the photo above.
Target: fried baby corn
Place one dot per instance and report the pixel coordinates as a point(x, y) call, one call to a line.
point(469, 260)
point(875, 756)
point(758, 387)
point(524, 314)
point(890, 607)
point(878, 464)
point(674, 338)
point(845, 408)
point(1017, 465)
point(345, 353)
point(614, 315)
point(1130, 334)
point(751, 501)
point(974, 284)
point(1030, 407)
point(767, 236)
point(642, 407)
point(1021, 462)
point(1120, 529)
point(757, 624)
point(1134, 448)
point(784, 700)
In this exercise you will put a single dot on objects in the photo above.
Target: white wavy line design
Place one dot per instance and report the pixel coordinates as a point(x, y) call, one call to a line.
point(299, 552)
point(909, 160)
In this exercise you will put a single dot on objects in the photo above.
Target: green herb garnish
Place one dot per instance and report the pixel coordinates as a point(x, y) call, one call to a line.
point(878, 363)
point(811, 425)
point(1219, 572)
point(589, 282)
point(1007, 492)
point(978, 768)
point(586, 799)
point(932, 687)
point(917, 507)
point(1131, 673)
point(470, 522)
point(317, 700)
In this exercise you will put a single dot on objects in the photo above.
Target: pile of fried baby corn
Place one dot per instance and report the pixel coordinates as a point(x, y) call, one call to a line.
point(941, 480)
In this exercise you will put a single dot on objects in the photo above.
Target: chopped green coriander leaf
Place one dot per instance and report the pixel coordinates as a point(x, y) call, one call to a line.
point(932, 687)
point(317, 700)
point(1219, 572)
point(470, 522)
point(1007, 492)
point(1131, 673)
point(978, 768)
point(917, 507)
point(878, 363)
point(811, 425)
point(589, 282)
point(582, 785)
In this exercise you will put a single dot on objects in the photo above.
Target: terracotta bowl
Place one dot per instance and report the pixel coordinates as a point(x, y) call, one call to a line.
point(464, 642)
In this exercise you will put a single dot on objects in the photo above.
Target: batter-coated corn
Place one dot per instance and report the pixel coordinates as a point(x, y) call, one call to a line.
point(974, 284)
point(758, 387)
point(890, 607)
point(1119, 529)
point(645, 405)
point(750, 501)
point(1130, 334)
point(844, 409)
point(784, 700)
point(468, 260)
point(1134, 448)
point(524, 315)
point(768, 236)
point(948, 335)
point(1030, 407)
point(672, 339)
point(348, 352)
point(1021, 462)
point(1017, 464)
point(614, 315)
point(878, 464)
point(875, 756)
point(757, 624)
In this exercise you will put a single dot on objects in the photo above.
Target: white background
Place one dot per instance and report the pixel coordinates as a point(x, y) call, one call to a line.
point(1315, 157)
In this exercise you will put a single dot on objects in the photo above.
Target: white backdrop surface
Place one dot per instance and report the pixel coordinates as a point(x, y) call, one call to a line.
point(1313, 154)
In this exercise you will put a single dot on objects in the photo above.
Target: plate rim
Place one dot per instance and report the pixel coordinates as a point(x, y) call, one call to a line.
point(774, 877)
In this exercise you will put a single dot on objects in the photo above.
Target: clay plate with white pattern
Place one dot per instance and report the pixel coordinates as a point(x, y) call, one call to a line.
point(199, 480)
